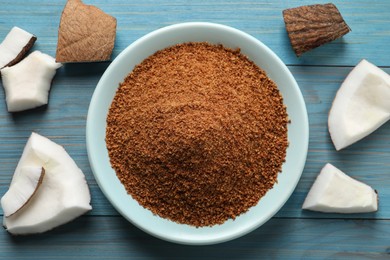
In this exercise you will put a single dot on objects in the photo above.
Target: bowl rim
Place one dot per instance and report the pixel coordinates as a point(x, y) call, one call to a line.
point(94, 158)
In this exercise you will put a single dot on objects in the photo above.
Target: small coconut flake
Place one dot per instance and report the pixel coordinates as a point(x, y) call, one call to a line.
point(24, 185)
point(86, 34)
point(15, 46)
point(63, 195)
point(335, 192)
point(27, 83)
point(311, 26)
point(361, 105)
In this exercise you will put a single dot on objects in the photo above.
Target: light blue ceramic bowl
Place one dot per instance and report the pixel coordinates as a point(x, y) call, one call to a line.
point(297, 133)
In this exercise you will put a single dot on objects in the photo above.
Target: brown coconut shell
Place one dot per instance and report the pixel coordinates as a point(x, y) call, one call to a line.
point(311, 26)
point(86, 34)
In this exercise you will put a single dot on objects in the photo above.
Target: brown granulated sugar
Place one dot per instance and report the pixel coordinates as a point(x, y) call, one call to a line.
point(197, 133)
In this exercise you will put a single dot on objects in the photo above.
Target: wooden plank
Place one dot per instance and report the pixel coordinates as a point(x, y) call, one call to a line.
point(114, 238)
point(263, 19)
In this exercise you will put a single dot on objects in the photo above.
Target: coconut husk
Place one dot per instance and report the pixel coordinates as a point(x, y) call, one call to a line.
point(23, 53)
point(86, 34)
point(313, 25)
point(15, 46)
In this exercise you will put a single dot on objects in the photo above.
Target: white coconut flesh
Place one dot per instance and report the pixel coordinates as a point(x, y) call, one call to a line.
point(14, 45)
point(62, 196)
point(25, 184)
point(27, 84)
point(361, 105)
point(335, 192)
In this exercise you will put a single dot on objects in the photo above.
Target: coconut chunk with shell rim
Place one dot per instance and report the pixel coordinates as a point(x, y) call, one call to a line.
point(62, 196)
point(15, 46)
point(25, 183)
point(27, 84)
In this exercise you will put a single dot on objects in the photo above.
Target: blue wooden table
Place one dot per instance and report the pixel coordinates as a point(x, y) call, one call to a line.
point(292, 233)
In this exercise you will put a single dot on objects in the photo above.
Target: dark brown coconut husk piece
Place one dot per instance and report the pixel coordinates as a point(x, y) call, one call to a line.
point(313, 25)
point(23, 53)
point(86, 34)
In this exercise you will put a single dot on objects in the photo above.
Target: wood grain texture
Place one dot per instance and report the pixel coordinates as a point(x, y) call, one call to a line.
point(263, 19)
point(293, 233)
point(114, 238)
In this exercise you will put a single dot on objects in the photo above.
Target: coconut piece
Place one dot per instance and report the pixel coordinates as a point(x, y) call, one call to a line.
point(311, 26)
point(62, 196)
point(24, 187)
point(361, 105)
point(27, 83)
point(86, 34)
point(335, 192)
point(15, 46)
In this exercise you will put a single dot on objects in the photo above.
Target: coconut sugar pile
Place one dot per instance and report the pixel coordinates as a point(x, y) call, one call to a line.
point(197, 133)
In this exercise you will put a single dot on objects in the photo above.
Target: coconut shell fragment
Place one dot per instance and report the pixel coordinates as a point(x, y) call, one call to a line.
point(311, 26)
point(86, 34)
point(15, 46)
point(25, 184)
